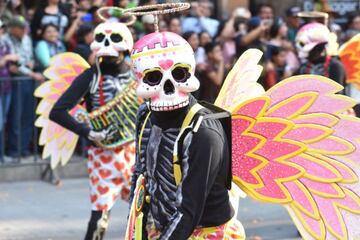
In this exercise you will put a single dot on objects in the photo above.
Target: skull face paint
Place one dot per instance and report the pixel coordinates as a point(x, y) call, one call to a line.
point(111, 38)
point(309, 36)
point(164, 65)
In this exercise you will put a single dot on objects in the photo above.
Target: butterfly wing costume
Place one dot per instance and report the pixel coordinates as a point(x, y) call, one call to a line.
point(293, 146)
point(290, 145)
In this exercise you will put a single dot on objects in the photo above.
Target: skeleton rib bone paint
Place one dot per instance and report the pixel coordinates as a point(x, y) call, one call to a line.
point(164, 65)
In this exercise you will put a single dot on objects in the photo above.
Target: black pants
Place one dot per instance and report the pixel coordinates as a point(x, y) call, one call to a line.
point(97, 226)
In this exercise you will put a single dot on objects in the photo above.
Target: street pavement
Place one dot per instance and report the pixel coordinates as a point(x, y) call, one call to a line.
point(39, 211)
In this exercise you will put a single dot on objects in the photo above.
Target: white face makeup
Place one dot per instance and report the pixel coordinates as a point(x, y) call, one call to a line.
point(164, 65)
point(111, 38)
point(309, 36)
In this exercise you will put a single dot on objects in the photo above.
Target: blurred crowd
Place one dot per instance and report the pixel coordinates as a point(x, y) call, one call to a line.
point(31, 34)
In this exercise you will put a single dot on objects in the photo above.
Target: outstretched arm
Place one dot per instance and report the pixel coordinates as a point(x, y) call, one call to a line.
point(71, 97)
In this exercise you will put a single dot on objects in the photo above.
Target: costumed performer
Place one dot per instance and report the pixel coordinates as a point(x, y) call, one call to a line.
point(187, 188)
point(291, 145)
point(109, 169)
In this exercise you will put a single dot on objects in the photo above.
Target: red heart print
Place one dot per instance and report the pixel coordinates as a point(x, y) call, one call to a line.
point(101, 207)
point(90, 170)
point(97, 164)
point(93, 198)
point(94, 180)
point(102, 190)
point(125, 194)
point(139, 75)
point(99, 151)
point(105, 159)
point(166, 64)
point(104, 173)
point(118, 150)
point(128, 156)
point(117, 181)
point(119, 166)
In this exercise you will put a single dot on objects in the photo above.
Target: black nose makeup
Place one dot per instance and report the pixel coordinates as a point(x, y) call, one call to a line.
point(169, 87)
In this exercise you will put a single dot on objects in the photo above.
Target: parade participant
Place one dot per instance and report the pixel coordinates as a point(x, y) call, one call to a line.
point(290, 145)
point(315, 43)
point(177, 204)
point(108, 92)
point(350, 57)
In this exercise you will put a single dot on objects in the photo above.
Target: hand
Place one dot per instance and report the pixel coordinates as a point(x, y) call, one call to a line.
point(98, 136)
point(12, 57)
point(220, 59)
point(97, 3)
point(265, 25)
point(80, 14)
point(13, 68)
point(269, 67)
point(30, 65)
point(37, 77)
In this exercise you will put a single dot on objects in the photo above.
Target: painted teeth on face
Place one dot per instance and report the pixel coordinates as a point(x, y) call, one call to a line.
point(168, 106)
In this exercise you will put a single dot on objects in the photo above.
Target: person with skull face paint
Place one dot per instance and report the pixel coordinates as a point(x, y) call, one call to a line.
point(183, 149)
point(109, 169)
point(314, 42)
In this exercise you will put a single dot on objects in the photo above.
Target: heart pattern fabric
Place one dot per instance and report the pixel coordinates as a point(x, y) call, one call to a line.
point(110, 175)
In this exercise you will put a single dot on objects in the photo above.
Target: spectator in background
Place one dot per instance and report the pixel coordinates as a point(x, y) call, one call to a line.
point(235, 26)
point(200, 20)
point(21, 115)
point(84, 5)
point(146, 2)
point(352, 26)
point(148, 24)
point(121, 3)
point(193, 40)
point(163, 27)
point(96, 20)
point(134, 33)
point(78, 20)
point(5, 85)
point(49, 11)
point(293, 22)
point(278, 33)
point(175, 25)
point(85, 36)
point(204, 38)
point(255, 38)
point(48, 46)
point(265, 11)
point(279, 70)
point(213, 76)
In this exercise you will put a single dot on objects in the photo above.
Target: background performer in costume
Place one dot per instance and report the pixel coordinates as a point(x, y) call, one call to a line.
point(315, 43)
point(109, 169)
